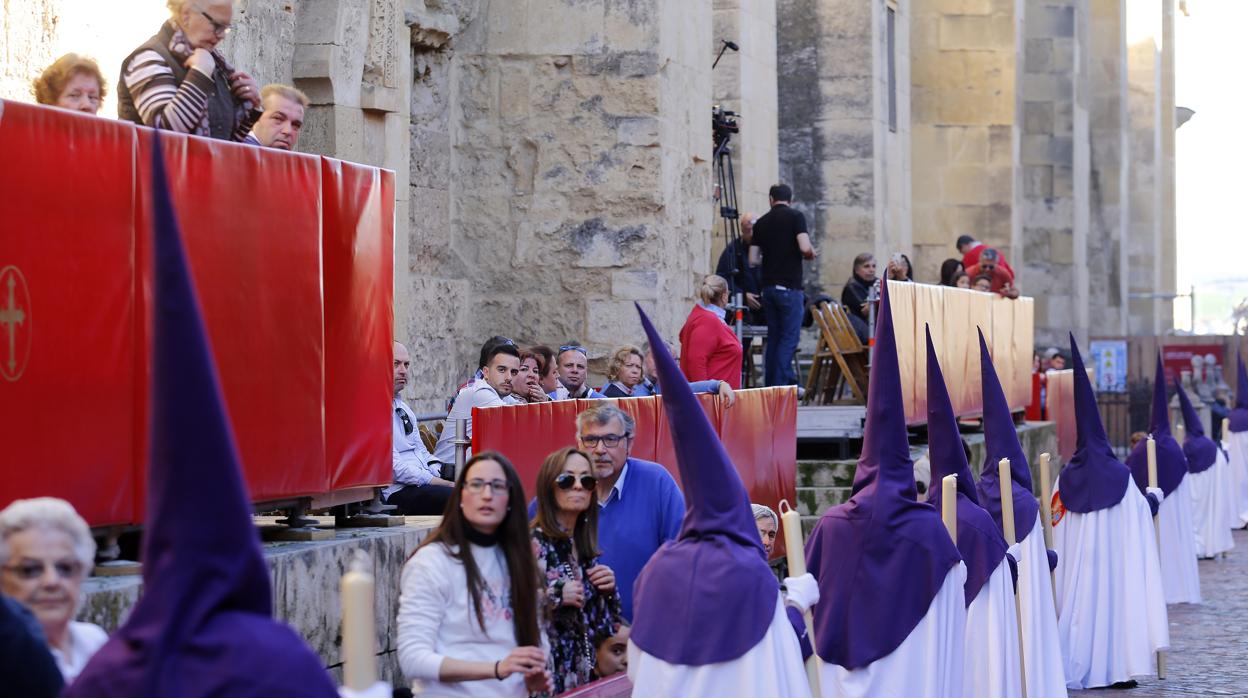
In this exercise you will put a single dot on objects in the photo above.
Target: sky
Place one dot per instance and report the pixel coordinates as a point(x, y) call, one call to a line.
point(1211, 153)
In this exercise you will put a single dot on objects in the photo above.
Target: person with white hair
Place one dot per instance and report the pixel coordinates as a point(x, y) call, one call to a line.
point(46, 550)
point(768, 526)
point(179, 80)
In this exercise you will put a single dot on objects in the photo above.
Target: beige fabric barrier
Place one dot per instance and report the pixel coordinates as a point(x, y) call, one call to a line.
point(954, 314)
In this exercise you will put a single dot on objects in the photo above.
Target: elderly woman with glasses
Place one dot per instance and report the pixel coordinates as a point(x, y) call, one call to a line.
point(46, 550)
point(582, 604)
point(178, 80)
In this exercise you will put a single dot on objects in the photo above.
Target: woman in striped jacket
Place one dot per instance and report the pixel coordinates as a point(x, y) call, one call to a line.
point(177, 80)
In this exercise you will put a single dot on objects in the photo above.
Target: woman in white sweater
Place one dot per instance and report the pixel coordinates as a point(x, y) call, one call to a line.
point(468, 608)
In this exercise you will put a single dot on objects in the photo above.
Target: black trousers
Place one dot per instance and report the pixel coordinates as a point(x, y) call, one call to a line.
point(427, 500)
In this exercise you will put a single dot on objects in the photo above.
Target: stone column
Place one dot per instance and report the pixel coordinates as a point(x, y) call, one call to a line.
point(844, 135)
point(1169, 249)
point(963, 70)
point(1054, 156)
point(1110, 168)
point(1144, 121)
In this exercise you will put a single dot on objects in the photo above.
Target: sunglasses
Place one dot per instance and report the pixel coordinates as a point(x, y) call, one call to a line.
point(574, 347)
point(408, 427)
point(217, 28)
point(31, 570)
point(566, 480)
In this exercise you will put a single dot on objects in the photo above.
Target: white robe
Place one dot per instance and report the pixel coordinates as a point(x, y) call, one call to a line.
point(1042, 650)
point(1179, 577)
point(927, 664)
point(773, 667)
point(990, 663)
point(1110, 601)
point(1237, 452)
point(1211, 508)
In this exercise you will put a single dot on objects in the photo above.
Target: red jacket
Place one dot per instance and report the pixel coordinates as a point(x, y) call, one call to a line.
point(709, 349)
point(971, 258)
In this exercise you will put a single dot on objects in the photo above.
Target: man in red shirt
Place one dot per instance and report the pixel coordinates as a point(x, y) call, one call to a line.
point(990, 265)
point(970, 249)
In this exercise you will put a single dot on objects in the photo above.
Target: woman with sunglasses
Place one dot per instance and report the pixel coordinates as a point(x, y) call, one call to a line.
point(468, 602)
point(582, 604)
point(46, 551)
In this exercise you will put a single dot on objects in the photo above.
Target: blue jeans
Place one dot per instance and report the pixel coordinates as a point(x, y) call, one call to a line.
point(783, 308)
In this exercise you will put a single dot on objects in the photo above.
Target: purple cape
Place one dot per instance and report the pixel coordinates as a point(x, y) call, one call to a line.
point(1171, 463)
point(1239, 415)
point(1001, 441)
point(1200, 450)
point(1094, 479)
point(980, 541)
point(881, 557)
point(708, 596)
point(203, 625)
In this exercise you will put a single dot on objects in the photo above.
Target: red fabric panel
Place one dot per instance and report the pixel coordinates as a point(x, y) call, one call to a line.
point(255, 254)
point(66, 216)
point(526, 434)
point(645, 412)
point(760, 434)
point(358, 254)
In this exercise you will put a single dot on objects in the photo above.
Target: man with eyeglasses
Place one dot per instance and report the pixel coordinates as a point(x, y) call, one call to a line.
point(573, 367)
point(633, 521)
point(178, 80)
point(418, 488)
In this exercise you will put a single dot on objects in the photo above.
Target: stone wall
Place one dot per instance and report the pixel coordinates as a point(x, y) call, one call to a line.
point(1144, 241)
point(963, 62)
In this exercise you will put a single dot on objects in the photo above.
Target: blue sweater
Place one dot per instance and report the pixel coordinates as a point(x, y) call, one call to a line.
point(637, 518)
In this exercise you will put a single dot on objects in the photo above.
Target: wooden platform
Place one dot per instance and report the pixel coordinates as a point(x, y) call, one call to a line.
point(830, 423)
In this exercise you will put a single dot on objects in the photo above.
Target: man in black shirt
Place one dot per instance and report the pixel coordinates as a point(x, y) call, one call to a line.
point(780, 243)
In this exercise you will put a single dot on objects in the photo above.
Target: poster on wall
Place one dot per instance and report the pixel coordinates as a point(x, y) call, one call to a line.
point(1199, 360)
point(1109, 361)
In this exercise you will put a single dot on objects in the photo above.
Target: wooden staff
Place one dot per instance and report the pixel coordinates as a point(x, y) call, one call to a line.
point(949, 505)
point(1007, 527)
point(795, 553)
point(1152, 482)
point(1046, 515)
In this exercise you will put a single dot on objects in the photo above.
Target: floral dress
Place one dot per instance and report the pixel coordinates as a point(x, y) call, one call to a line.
point(572, 632)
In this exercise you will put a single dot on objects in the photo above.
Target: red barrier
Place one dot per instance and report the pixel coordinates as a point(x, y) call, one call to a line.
point(292, 259)
point(759, 433)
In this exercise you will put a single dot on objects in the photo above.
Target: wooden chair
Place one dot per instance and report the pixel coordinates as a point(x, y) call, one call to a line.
point(841, 360)
point(429, 438)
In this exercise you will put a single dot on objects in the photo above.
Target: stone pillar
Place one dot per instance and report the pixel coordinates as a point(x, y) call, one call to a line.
point(1144, 121)
point(745, 82)
point(1054, 155)
point(1169, 250)
point(963, 70)
point(1110, 168)
point(844, 134)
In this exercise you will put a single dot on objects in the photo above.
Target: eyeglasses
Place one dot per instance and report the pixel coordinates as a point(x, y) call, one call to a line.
point(408, 427)
point(566, 480)
point(608, 440)
point(217, 28)
point(477, 486)
point(33, 569)
point(573, 347)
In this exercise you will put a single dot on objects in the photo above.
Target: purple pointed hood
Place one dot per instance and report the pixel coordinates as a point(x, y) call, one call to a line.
point(1001, 441)
point(1200, 450)
point(708, 596)
point(1094, 479)
point(1171, 463)
point(203, 625)
point(980, 541)
point(1239, 415)
point(881, 557)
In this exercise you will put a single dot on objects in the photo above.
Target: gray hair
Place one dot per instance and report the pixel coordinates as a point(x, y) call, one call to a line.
point(47, 512)
point(601, 415)
point(763, 511)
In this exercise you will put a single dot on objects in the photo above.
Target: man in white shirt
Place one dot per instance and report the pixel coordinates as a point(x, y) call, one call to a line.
point(418, 489)
point(500, 365)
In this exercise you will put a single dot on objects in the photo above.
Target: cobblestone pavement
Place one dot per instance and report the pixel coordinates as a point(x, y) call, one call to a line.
point(1208, 643)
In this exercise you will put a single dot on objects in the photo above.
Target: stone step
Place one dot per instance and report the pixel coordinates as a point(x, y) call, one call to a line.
point(825, 473)
point(813, 501)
